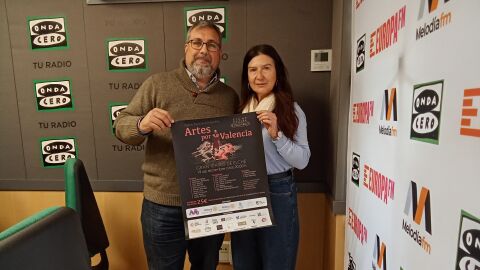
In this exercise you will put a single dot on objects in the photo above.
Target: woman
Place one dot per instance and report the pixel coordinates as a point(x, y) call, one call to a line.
point(266, 90)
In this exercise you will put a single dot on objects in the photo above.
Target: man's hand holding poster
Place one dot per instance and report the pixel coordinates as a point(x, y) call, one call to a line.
point(223, 179)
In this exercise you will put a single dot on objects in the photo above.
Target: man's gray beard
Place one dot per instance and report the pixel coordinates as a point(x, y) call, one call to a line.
point(200, 71)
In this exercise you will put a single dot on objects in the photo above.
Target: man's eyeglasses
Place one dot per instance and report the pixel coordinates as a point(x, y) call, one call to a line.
point(197, 44)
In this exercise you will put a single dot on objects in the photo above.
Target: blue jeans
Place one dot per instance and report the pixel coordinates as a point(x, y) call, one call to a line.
point(165, 244)
point(272, 248)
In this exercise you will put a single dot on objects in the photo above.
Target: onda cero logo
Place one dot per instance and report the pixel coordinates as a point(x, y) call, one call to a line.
point(360, 63)
point(47, 33)
point(55, 151)
point(351, 262)
point(53, 95)
point(214, 15)
point(426, 110)
point(127, 55)
point(356, 168)
point(468, 252)
point(115, 110)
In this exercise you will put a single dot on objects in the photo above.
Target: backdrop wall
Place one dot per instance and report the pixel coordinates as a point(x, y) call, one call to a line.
point(414, 136)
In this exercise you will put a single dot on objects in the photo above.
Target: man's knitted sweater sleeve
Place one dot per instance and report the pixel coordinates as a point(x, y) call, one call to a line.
point(125, 125)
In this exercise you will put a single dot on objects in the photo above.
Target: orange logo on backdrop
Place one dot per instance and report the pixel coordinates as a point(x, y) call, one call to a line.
point(420, 206)
point(470, 112)
point(380, 254)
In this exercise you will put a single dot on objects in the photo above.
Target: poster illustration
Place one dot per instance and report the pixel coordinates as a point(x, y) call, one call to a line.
point(223, 178)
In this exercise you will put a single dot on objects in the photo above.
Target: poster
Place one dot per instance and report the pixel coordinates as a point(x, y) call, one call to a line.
point(223, 178)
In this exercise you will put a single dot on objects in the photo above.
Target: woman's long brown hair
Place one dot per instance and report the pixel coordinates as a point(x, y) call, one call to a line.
point(284, 104)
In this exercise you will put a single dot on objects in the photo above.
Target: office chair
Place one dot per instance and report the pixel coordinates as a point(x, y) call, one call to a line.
point(49, 240)
point(79, 196)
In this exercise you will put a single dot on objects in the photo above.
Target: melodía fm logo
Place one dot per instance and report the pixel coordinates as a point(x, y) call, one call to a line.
point(430, 5)
point(420, 208)
point(436, 23)
point(389, 113)
point(379, 255)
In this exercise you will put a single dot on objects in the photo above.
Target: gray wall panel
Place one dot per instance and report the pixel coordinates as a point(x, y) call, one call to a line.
point(66, 63)
point(12, 164)
point(234, 47)
point(174, 34)
point(115, 160)
point(294, 28)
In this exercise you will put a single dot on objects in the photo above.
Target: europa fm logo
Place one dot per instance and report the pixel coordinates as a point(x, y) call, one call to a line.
point(379, 255)
point(361, 43)
point(355, 168)
point(357, 226)
point(47, 33)
point(127, 55)
point(55, 151)
point(468, 252)
point(418, 208)
point(388, 115)
point(426, 110)
point(53, 95)
point(215, 15)
point(115, 110)
point(362, 112)
point(387, 33)
point(380, 185)
point(470, 123)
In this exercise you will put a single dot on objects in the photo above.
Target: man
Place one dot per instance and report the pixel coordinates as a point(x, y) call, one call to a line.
point(189, 92)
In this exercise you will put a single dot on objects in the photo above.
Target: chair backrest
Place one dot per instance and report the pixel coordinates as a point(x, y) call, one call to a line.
point(51, 239)
point(80, 197)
